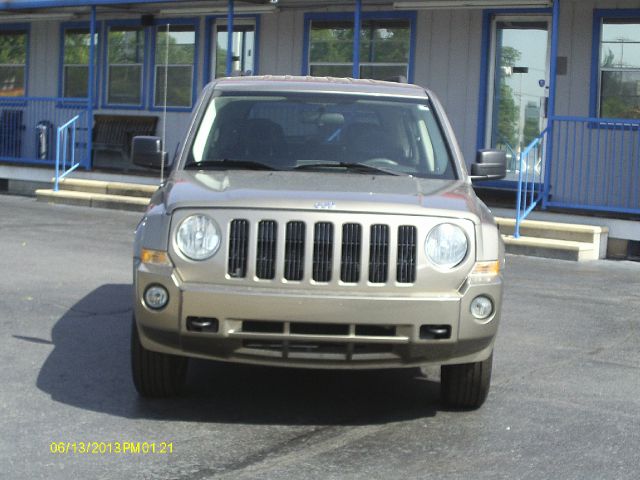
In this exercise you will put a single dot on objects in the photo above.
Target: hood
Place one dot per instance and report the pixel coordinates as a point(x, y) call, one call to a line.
point(310, 191)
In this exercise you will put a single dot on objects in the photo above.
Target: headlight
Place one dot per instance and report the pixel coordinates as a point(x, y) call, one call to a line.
point(198, 237)
point(446, 245)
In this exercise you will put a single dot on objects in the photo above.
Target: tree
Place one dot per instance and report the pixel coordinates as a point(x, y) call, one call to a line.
point(508, 111)
point(531, 130)
point(13, 54)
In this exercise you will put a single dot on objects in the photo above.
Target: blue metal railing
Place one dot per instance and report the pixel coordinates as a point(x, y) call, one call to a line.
point(595, 165)
point(530, 178)
point(66, 149)
point(28, 128)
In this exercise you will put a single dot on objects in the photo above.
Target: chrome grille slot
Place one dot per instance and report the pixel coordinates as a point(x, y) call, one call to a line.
point(238, 246)
point(266, 250)
point(322, 251)
point(406, 264)
point(294, 251)
point(351, 249)
point(379, 254)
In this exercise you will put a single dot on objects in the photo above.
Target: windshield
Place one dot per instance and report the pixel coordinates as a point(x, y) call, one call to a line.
point(321, 132)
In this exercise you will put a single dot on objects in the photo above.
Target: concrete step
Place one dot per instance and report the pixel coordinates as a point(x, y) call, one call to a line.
point(570, 233)
point(551, 248)
point(559, 231)
point(92, 199)
point(108, 188)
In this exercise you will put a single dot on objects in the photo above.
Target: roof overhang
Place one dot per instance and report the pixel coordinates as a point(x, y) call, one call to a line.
point(460, 4)
point(26, 7)
point(40, 4)
point(47, 10)
point(23, 6)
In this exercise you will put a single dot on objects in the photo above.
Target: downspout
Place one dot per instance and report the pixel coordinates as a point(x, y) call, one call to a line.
point(357, 24)
point(91, 86)
point(230, 38)
point(551, 109)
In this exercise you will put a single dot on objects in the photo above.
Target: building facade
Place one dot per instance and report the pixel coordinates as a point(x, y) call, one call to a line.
point(556, 84)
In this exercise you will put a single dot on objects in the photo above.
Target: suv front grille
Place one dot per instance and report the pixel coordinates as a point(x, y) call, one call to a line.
point(327, 238)
point(326, 341)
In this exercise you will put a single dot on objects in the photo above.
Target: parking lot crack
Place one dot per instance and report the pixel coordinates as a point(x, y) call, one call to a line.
point(295, 449)
point(298, 449)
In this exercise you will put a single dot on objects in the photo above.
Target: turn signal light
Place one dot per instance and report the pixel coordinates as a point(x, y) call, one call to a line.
point(486, 268)
point(155, 257)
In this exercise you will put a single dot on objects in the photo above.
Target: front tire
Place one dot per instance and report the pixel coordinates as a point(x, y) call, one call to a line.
point(155, 375)
point(465, 386)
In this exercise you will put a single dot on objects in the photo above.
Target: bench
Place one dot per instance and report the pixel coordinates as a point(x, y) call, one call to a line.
point(115, 132)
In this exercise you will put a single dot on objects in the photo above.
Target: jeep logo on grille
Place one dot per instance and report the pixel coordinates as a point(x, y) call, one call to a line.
point(324, 205)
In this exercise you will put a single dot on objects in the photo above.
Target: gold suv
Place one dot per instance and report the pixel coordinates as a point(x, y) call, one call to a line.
point(318, 223)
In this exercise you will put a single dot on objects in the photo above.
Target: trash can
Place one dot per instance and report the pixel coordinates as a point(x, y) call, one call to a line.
point(44, 140)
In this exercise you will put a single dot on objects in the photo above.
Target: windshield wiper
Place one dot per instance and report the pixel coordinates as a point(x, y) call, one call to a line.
point(352, 167)
point(228, 164)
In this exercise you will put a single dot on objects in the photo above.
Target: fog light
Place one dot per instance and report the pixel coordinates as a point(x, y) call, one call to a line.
point(156, 297)
point(481, 307)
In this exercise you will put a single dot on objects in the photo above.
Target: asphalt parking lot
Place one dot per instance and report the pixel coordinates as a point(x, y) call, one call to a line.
point(564, 403)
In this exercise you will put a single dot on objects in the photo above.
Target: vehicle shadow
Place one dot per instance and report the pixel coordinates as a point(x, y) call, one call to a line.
point(89, 369)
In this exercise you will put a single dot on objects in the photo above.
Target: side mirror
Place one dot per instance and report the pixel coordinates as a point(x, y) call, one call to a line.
point(490, 165)
point(148, 152)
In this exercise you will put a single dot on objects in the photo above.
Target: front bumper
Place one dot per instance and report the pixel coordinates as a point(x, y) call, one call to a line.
point(306, 328)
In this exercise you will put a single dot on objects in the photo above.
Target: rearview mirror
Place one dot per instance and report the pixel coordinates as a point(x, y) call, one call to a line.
point(148, 152)
point(490, 165)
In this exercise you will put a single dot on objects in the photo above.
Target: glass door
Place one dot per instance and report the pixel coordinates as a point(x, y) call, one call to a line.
point(244, 38)
point(519, 85)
